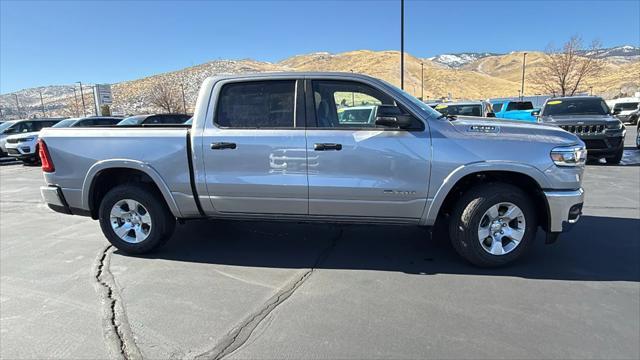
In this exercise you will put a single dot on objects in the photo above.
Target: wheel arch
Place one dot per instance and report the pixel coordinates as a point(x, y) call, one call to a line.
point(105, 175)
point(527, 178)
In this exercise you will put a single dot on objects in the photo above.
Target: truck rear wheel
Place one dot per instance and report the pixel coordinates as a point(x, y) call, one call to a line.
point(493, 224)
point(135, 219)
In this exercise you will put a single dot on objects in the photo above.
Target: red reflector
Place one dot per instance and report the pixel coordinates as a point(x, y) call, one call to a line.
point(45, 158)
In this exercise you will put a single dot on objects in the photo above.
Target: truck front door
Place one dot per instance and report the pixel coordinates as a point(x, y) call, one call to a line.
point(358, 169)
point(254, 152)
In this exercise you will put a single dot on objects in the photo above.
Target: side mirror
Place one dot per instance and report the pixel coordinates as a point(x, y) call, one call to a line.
point(490, 114)
point(535, 113)
point(616, 111)
point(392, 116)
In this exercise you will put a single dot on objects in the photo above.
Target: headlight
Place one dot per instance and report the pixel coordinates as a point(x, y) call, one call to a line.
point(569, 155)
point(615, 125)
point(25, 139)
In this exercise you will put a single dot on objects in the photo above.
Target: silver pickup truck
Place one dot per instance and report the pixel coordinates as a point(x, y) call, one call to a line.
point(272, 147)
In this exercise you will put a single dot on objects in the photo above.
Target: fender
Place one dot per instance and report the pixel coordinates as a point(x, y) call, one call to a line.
point(432, 210)
point(129, 164)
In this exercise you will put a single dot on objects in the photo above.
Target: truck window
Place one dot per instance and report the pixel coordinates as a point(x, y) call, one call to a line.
point(626, 106)
point(256, 104)
point(346, 104)
point(497, 107)
point(520, 105)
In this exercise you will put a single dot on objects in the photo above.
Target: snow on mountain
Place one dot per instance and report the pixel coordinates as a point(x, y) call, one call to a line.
point(459, 59)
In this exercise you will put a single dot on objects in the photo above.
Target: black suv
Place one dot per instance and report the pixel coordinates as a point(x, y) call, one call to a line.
point(591, 120)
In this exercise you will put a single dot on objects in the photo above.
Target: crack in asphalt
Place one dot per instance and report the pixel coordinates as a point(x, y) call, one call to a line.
point(117, 333)
point(239, 335)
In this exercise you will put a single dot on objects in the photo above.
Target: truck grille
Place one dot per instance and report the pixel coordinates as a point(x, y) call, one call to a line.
point(583, 129)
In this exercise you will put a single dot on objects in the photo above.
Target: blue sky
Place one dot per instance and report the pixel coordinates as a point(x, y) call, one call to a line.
point(58, 42)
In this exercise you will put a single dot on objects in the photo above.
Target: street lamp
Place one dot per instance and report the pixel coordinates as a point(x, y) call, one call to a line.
point(17, 104)
point(402, 44)
point(422, 75)
point(44, 114)
point(84, 111)
point(524, 61)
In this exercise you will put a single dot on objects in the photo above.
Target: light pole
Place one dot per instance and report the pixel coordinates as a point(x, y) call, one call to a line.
point(402, 44)
point(75, 95)
point(422, 75)
point(524, 62)
point(44, 114)
point(84, 111)
point(184, 103)
point(95, 99)
point(17, 104)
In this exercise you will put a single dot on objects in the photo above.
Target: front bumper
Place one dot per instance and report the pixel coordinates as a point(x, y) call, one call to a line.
point(565, 208)
point(21, 150)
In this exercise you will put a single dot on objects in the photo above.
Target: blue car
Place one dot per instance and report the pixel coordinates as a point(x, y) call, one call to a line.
point(515, 110)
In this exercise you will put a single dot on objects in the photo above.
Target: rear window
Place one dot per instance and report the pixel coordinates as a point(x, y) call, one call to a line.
point(626, 106)
point(259, 104)
point(497, 107)
point(575, 107)
point(520, 105)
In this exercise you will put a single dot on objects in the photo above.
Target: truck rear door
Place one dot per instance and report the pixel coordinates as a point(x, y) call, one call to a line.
point(254, 150)
point(357, 168)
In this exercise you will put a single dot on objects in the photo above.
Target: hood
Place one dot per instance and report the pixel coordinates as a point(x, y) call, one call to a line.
point(514, 130)
point(577, 119)
point(23, 135)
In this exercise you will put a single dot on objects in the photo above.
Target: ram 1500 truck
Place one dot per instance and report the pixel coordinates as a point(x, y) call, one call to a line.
point(273, 147)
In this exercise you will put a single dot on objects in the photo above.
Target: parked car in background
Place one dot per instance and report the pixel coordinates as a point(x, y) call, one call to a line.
point(21, 141)
point(589, 118)
point(466, 108)
point(3, 127)
point(189, 122)
point(248, 156)
point(357, 115)
point(154, 119)
point(633, 117)
point(24, 146)
point(624, 110)
point(515, 110)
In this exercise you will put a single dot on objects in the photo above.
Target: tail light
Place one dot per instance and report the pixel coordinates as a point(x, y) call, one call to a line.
point(45, 158)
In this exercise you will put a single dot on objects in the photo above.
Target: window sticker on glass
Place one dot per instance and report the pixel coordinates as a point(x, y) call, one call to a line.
point(554, 102)
point(441, 106)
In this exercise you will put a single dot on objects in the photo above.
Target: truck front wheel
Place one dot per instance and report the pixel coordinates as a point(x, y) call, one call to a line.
point(493, 224)
point(135, 219)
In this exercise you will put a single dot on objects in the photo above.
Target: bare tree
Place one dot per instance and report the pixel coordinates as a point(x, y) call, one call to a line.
point(564, 71)
point(165, 98)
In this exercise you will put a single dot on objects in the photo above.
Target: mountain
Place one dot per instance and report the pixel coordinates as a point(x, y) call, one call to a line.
point(460, 59)
point(462, 75)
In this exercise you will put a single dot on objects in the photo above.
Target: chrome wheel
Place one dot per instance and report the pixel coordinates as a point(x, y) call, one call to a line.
point(130, 221)
point(501, 228)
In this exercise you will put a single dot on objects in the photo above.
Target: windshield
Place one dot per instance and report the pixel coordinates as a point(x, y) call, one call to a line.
point(133, 120)
point(464, 110)
point(65, 123)
point(5, 125)
point(426, 109)
point(594, 106)
point(626, 106)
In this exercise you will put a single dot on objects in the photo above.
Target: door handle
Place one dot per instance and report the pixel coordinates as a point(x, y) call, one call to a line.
point(222, 145)
point(327, 146)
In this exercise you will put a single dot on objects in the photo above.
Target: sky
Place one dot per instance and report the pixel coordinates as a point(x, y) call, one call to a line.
point(60, 42)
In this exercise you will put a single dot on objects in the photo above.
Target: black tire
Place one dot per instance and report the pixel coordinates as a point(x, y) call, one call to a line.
point(615, 160)
point(469, 211)
point(163, 221)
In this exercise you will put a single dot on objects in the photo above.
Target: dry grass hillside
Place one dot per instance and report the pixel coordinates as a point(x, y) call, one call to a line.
point(439, 81)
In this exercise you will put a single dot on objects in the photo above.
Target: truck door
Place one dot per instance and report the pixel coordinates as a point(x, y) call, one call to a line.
point(254, 150)
point(357, 168)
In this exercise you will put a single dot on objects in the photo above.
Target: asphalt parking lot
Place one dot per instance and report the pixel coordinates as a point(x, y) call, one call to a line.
point(280, 290)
